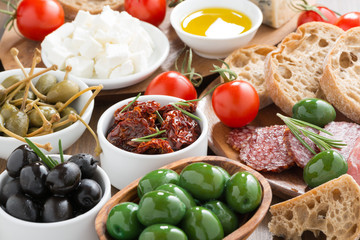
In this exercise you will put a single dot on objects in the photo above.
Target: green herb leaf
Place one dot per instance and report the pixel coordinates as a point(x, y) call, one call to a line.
point(298, 127)
point(185, 112)
point(46, 160)
point(130, 103)
point(148, 137)
point(61, 151)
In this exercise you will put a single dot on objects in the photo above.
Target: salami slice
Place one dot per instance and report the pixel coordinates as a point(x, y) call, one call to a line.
point(354, 161)
point(266, 150)
point(238, 138)
point(346, 131)
point(300, 154)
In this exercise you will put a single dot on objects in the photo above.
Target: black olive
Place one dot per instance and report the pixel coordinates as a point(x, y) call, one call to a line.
point(23, 207)
point(88, 194)
point(32, 179)
point(63, 178)
point(86, 162)
point(10, 188)
point(20, 157)
point(57, 209)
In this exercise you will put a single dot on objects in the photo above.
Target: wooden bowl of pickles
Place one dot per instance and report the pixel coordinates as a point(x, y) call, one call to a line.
point(173, 201)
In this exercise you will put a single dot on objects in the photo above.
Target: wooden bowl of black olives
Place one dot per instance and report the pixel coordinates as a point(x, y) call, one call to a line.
point(53, 198)
point(26, 101)
point(206, 197)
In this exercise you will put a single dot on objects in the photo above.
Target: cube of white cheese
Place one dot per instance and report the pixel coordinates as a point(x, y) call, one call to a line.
point(114, 55)
point(91, 48)
point(58, 56)
point(81, 66)
point(124, 69)
point(83, 19)
point(64, 30)
point(139, 43)
point(139, 60)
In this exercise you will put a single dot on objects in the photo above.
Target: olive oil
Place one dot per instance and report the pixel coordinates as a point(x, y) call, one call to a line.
point(216, 22)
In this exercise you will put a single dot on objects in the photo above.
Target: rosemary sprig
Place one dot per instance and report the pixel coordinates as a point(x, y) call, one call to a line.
point(148, 137)
point(187, 70)
point(184, 111)
point(159, 117)
point(51, 163)
point(61, 152)
point(232, 75)
point(298, 127)
point(130, 103)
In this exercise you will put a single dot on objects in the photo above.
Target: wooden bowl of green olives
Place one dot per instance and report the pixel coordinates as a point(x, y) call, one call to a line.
point(208, 197)
point(47, 92)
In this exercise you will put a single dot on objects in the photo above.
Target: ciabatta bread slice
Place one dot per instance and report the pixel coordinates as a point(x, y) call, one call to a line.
point(71, 7)
point(293, 71)
point(341, 79)
point(248, 64)
point(333, 208)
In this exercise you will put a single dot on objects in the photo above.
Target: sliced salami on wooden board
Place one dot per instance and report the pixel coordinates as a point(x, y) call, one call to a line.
point(286, 184)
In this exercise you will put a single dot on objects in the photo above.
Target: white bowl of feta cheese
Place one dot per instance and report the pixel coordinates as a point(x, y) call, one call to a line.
point(112, 48)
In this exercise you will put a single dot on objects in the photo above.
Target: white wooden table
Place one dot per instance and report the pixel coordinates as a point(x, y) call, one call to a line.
point(340, 6)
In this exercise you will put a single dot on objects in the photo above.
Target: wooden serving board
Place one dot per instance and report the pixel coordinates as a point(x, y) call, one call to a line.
point(265, 35)
point(287, 184)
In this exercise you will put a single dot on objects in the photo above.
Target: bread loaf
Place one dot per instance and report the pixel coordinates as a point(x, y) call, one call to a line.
point(341, 79)
point(333, 208)
point(71, 7)
point(248, 64)
point(293, 71)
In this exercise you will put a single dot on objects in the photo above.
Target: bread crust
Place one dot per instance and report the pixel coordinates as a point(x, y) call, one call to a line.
point(341, 79)
point(248, 64)
point(332, 208)
point(293, 71)
point(71, 7)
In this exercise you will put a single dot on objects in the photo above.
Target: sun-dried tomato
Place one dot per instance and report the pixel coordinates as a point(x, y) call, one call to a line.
point(181, 130)
point(140, 120)
point(154, 146)
point(133, 126)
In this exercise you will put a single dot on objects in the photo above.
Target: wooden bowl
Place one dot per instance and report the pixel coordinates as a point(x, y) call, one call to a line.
point(250, 221)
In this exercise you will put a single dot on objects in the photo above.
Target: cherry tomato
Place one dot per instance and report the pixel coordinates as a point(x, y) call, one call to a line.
point(312, 16)
point(235, 103)
point(151, 11)
point(37, 18)
point(173, 84)
point(349, 20)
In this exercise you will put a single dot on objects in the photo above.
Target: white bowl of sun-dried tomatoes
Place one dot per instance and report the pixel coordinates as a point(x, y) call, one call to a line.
point(151, 132)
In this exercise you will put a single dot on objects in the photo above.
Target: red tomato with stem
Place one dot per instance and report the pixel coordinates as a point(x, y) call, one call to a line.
point(37, 18)
point(172, 83)
point(235, 103)
point(349, 20)
point(151, 11)
point(313, 16)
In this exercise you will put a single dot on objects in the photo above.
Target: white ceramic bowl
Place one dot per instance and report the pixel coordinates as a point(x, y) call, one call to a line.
point(220, 47)
point(80, 227)
point(124, 167)
point(67, 135)
point(161, 51)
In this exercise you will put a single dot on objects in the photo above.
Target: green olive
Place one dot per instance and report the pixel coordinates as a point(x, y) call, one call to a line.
point(315, 111)
point(243, 192)
point(180, 192)
point(11, 80)
point(162, 232)
point(156, 178)
point(34, 116)
point(62, 91)
point(324, 167)
point(227, 217)
point(20, 94)
point(45, 82)
point(7, 109)
point(18, 123)
point(160, 207)
point(3, 93)
point(202, 180)
point(122, 222)
point(67, 111)
point(200, 223)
